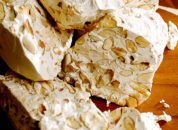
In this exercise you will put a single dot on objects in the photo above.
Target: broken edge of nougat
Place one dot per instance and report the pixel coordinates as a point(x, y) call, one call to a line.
point(29, 44)
point(55, 105)
point(117, 59)
point(74, 14)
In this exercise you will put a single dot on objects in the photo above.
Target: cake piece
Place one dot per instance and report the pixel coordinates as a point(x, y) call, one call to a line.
point(29, 44)
point(27, 102)
point(74, 14)
point(117, 60)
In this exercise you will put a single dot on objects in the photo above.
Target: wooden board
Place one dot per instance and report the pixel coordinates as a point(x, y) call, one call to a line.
point(165, 83)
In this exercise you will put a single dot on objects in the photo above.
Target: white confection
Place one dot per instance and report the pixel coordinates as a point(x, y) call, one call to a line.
point(29, 44)
point(164, 117)
point(117, 60)
point(73, 14)
point(173, 36)
point(164, 104)
point(58, 106)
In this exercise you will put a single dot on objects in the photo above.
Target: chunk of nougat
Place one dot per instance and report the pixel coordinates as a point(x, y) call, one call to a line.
point(74, 14)
point(28, 42)
point(55, 105)
point(117, 60)
point(29, 102)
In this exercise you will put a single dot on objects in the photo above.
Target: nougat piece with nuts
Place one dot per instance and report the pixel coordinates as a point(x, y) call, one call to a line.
point(28, 102)
point(74, 14)
point(117, 60)
point(29, 44)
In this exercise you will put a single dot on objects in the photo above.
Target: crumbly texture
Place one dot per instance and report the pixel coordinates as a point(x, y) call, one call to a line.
point(117, 60)
point(29, 44)
point(173, 36)
point(74, 14)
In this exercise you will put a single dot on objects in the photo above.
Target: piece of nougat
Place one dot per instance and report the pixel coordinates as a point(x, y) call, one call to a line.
point(55, 105)
point(117, 60)
point(27, 102)
point(29, 44)
point(74, 14)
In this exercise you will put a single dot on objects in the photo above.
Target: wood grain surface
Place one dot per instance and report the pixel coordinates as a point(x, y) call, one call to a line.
point(165, 81)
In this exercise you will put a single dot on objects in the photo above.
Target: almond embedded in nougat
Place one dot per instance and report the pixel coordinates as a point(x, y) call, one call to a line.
point(29, 43)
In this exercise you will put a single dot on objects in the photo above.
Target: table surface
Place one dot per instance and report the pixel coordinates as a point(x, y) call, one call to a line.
point(165, 82)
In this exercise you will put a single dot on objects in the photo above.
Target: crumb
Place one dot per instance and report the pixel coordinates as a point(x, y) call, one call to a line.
point(164, 104)
point(164, 117)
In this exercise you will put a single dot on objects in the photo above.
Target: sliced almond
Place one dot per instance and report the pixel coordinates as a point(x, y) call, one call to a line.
point(142, 42)
point(28, 27)
point(32, 14)
point(130, 45)
point(2, 13)
point(28, 44)
point(41, 44)
point(126, 73)
point(108, 43)
point(106, 33)
point(129, 124)
point(122, 32)
point(146, 77)
point(108, 22)
point(66, 61)
point(73, 123)
point(80, 41)
point(131, 102)
point(93, 38)
point(116, 115)
point(120, 52)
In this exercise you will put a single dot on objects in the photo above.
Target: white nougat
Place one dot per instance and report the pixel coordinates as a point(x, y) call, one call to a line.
point(55, 105)
point(29, 44)
point(117, 59)
point(73, 14)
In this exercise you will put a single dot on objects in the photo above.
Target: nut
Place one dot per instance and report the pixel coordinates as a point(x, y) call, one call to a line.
point(28, 27)
point(2, 13)
point(142, 42)
point(122, 32)
point(115, 84)
point(84, 78)
point(106, 33)
point(93, 38)
point(73, 123)
point(66, 61)
point(146, 77)
point(28, 44)
point(120, 52)
point(131, 102)
point(105, 78)
point(41, 44)
point(81, 40)
point(129, 124)
point(142, 89)
point(116, 115)
point(126, 73)
point(56, 51)
point(32, 13)
point(131, 47)
point(108, 43)
point(44, 22)
point(108, 22)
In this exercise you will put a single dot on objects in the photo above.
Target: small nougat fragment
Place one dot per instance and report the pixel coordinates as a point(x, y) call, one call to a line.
point(75, 14)
point(117, 60)
point(29, 44)
point(173, 36)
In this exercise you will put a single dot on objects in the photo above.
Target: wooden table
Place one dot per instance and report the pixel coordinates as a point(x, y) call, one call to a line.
point(165, 82)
